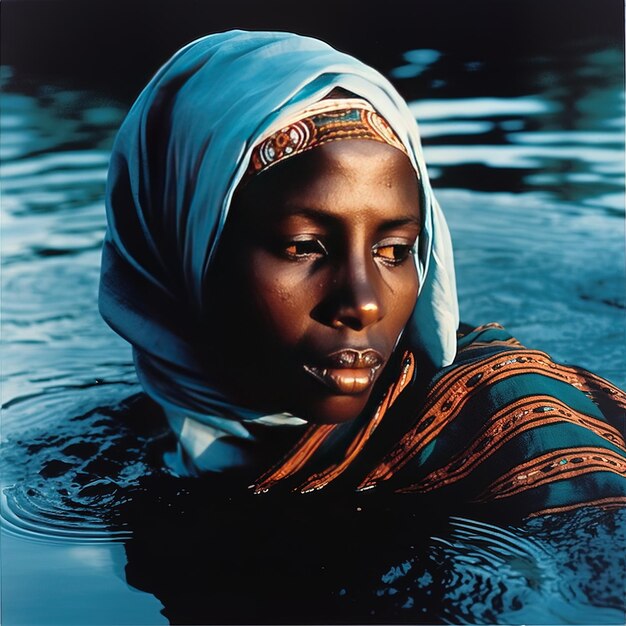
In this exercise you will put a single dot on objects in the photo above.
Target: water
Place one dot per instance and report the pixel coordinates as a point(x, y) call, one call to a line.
point(95, 531)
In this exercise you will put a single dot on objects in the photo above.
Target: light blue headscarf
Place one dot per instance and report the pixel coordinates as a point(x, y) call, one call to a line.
point(176, 162)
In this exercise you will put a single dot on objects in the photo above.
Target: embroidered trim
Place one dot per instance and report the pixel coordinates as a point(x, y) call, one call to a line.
point(558, 465)
point(328, 120)
point(449, 396)
point(516, 418)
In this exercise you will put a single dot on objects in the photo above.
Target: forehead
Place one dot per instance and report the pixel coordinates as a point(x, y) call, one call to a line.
point(341, 177)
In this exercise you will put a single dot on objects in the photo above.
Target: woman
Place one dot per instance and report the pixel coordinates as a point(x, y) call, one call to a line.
point(277, 259)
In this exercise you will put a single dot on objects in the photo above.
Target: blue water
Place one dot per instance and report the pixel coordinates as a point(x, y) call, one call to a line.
point(532, 184)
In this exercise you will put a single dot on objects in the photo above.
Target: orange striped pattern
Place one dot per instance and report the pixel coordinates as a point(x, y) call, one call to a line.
point(559, 465)
point(310, 442)
point(590, 383)
point(523, 415)
point(449, 396)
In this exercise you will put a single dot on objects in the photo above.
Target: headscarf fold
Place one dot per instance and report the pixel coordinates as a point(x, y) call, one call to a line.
point(176, 162)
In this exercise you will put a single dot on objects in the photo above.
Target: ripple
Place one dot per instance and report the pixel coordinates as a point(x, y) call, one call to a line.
point(467, 108)
point(17, 174)
point(30, 515)
point(66, 481)
point(477, 572)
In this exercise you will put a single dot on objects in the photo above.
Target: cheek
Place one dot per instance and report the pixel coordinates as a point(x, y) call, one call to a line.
point(404, 294)
point(280, 305)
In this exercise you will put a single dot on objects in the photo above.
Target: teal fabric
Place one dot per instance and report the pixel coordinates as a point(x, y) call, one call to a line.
point(176, 162)
point(602, 482)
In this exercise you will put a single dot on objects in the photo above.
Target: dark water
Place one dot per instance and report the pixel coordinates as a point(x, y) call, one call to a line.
point(95, 531)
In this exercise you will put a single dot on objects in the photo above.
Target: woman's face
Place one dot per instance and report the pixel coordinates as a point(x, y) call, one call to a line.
point(314, 280)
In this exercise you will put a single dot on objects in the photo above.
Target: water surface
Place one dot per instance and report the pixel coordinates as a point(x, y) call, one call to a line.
point(96, 531)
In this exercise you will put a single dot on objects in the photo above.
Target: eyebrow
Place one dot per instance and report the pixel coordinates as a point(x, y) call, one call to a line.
point(325, 218)
point(402, 221)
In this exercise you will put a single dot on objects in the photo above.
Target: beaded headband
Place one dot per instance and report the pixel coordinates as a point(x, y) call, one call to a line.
point(327, 120)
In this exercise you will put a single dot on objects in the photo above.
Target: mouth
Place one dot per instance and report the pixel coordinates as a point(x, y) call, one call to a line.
point(347, 372)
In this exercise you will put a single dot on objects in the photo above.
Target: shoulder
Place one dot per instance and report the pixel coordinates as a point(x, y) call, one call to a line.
point(508, 428)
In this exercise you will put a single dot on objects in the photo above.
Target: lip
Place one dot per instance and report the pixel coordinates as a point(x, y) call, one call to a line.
point(347, 372)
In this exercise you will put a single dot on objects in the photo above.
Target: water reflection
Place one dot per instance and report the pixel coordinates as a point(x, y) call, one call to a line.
point(533, 188)
point(568, 141)
point(416, 62)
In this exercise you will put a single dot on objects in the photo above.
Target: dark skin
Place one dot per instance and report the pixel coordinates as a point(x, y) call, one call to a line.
point(316, 280)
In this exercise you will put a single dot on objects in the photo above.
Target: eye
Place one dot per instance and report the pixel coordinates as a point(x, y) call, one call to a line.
point(393, 253)
point(304, 249)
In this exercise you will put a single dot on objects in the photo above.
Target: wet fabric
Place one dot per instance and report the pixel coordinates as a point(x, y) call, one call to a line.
point(177, 159)
point(503, 429)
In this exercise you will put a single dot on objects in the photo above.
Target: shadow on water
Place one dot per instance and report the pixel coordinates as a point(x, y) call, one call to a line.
point(364, 560)
point(533, 188)
point(212, 552)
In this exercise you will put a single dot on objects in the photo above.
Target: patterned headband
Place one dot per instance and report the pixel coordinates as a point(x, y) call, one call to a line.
point(328, 120)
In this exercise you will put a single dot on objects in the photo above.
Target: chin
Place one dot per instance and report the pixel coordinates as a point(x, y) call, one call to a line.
point(333, 409)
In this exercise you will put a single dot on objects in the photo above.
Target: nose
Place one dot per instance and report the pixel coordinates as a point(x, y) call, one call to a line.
point(357, 299)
